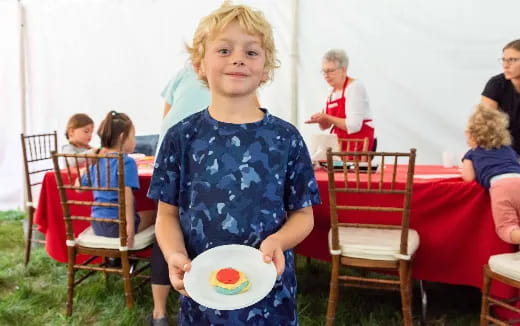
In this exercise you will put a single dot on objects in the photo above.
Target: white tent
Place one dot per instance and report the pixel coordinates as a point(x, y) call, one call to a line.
point(424, 64)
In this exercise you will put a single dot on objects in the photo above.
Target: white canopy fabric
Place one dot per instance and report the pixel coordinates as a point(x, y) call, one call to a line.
point(424, 64)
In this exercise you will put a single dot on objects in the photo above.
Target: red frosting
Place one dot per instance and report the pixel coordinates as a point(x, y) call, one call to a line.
point(228, 276)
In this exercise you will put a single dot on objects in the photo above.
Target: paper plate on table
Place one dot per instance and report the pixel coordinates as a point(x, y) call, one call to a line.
point(137, 156)
point(245, 259)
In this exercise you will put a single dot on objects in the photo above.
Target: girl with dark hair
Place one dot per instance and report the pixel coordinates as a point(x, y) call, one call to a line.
point(117, 134)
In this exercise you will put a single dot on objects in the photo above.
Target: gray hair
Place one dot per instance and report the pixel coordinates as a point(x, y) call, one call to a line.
point(338, 55)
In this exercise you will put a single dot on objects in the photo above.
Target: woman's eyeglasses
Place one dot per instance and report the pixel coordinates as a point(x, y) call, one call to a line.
point(508, 61)
point(328, 71)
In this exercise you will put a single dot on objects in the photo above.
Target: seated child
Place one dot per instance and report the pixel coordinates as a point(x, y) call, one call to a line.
point(79, 133)
point(117, 134)
point(494, 164)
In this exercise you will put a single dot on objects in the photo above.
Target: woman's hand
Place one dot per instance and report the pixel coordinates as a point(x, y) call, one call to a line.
point(320, 118)
point(271, 249)
point(317, 118)
point(178, 264)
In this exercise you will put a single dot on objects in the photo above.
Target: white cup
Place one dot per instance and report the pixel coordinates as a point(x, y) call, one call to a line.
point(447, 159)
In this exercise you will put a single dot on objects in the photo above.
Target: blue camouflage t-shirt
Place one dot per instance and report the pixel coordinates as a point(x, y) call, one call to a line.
point(234, 184)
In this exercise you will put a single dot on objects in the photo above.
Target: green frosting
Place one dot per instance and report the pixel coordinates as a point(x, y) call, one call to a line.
point(231, 291)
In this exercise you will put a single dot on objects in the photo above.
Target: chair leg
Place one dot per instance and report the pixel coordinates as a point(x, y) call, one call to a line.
point(406, 297)
point(334, 290)
point(70, 286)
point(104, 263)
point(28, 239)
point(484, 310)
point(127, 281)
point(424, 303)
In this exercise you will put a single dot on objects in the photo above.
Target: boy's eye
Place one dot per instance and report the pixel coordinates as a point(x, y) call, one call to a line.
point(223, 51)
point(252, 53)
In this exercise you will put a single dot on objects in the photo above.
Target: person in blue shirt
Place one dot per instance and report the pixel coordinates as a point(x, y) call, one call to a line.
point(234, 173)
point(494, 164)
point(184, 95)
point(117, 134)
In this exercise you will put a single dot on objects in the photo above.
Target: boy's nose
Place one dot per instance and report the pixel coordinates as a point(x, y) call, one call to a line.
point(238, 63)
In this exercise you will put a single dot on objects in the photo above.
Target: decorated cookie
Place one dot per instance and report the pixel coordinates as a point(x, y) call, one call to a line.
point(229, 281)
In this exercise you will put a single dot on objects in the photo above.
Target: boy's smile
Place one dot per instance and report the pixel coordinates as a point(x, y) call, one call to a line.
point(234, 62)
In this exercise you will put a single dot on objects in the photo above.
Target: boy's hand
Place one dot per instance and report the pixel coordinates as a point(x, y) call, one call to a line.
point(272, 250)
point(178, 264)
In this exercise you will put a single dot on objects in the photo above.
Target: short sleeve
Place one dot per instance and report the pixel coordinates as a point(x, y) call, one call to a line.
point(468, 155)
point(165, 182)
point(357, 106)
point(68, 149)
point(493, 89)
point(169, 90)
point(131, 174)
point(301, 188)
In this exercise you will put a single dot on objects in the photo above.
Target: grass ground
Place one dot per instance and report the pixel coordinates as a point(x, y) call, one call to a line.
point(36, 295)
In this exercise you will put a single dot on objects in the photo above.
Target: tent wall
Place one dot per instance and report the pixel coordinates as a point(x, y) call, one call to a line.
point(424, 64)
point(11, 171)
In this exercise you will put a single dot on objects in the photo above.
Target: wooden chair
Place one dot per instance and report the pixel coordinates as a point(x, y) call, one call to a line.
point(371, 247)
point(504, 268)
point(353, 144)
point(87, 243)
point(37, 160)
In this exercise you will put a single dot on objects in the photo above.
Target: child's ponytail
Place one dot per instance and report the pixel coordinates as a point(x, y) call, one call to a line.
point(112, 127)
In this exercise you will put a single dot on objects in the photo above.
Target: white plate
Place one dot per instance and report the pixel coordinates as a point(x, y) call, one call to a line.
point(137, 156)
point(242, 258)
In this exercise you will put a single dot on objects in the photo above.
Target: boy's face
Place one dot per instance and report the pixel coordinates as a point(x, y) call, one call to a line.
point(234, 62)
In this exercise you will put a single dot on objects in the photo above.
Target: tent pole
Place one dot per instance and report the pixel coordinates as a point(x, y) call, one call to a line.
point(22, 63)
point(294, 63)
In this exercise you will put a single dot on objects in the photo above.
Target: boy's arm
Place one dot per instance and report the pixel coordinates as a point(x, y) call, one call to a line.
point(130, 216)
point(298, 226)
point(468, 171)
point(169, 236)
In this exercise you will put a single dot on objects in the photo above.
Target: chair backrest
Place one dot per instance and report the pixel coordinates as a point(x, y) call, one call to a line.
point(97, 176)
point(36, 151)
point(383, 185)
point(353, 144)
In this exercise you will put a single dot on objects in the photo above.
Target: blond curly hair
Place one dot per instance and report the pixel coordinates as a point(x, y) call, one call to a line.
point(487, 127)
point(251, 21)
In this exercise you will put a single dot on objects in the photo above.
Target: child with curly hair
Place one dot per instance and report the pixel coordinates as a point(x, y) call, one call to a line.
point(494, 164)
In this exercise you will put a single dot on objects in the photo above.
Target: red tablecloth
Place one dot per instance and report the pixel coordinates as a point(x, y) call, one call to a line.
point(453, 218)
point(454, 222)
point(49, 214)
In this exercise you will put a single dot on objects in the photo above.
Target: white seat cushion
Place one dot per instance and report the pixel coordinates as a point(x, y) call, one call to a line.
point(506, 264)
point(87, 238)
point(376, 244)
